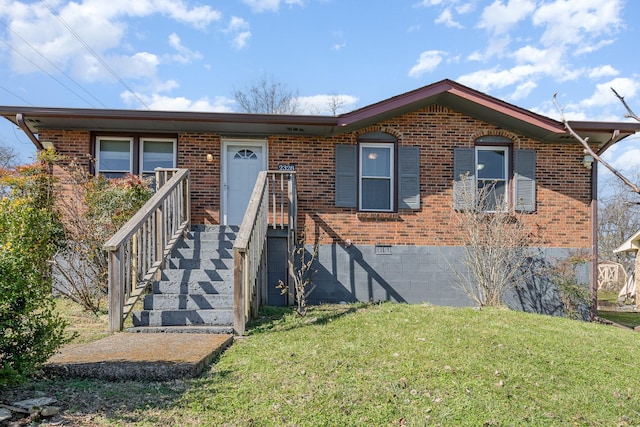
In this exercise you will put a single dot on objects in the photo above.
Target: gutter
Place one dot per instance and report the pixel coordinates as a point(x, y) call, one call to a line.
point(20, 121)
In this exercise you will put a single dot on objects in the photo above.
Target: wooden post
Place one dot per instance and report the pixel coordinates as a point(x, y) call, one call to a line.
point(636, 270)
point(158, 238)
point(239, 320)
point(116, 296)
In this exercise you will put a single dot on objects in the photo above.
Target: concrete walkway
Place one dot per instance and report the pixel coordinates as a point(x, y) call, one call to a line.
point(139, 356)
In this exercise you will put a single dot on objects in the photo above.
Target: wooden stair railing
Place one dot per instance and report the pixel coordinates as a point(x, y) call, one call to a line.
point(138, 250)
point(273, 203)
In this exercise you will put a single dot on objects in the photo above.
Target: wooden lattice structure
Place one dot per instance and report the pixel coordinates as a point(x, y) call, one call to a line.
point(611, 276)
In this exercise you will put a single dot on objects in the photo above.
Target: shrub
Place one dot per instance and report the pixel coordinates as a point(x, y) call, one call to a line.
point(31, 330)
point(94, 210)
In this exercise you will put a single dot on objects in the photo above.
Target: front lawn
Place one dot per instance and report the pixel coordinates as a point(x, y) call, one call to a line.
point(388, 364)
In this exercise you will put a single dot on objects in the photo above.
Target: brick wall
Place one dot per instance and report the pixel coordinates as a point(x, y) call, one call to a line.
point(562, 218)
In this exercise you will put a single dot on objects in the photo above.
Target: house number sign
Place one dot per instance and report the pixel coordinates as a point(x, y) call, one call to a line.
point(286, 167)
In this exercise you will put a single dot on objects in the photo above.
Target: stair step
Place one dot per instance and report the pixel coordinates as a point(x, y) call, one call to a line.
point(206, 253)
point(199, 264)
point(192, 288)
point(204, 329)
point(195, 293)
point(217, 317)
point(187, 301)
point(200, 275)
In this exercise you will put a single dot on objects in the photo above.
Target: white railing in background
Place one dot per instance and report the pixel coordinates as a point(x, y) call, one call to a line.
point(250, 272)
point(138, 250)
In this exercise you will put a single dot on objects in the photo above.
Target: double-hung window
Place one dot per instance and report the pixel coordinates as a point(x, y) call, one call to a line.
point(376, 177)
point(485, 179)
point(377, 174)
point(156, 153)
point(492, 177)
point(117, 156)
point(114, 156)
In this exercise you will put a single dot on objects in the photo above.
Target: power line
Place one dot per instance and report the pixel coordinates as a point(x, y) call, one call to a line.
point(46, 72)
point(55, 66)
point(16, 95)
point(95, 55)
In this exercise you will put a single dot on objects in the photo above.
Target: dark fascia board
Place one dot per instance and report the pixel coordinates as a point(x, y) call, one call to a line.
point(170, 121)
point(458, 97)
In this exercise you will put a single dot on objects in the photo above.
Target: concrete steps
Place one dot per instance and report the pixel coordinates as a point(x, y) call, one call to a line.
point(195, 293)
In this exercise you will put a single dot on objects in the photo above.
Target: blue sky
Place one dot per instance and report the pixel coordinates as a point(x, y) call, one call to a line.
point(193, 55)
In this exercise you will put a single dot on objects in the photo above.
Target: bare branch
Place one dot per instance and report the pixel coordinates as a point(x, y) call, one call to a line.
point(630, 114)
point(588, 149)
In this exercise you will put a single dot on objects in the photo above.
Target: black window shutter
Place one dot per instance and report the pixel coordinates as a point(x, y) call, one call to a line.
point(346, 176)
point(525, 180)
point(409, 177)
point(464, 178)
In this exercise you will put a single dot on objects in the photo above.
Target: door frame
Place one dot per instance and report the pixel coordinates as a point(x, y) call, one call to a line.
point(244, 142)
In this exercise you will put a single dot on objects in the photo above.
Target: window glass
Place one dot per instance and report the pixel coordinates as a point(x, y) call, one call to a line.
point(376, 176)
point(376, 161)
point(114, 157)
point(491, 166)
point(157, 154)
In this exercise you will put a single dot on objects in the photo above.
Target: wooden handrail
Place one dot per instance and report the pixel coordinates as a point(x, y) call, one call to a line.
point(250, 273)
point(138, 250)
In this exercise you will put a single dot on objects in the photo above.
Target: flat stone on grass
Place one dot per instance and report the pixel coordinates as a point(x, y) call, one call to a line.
point(139, 356)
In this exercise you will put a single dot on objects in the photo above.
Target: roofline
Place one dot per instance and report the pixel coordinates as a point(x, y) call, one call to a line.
point(180, 116)
point(454, 88)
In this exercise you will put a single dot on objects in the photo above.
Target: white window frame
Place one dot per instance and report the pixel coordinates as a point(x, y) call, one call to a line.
point(99, 140)
point(506, 179)
point(392, 179)
point(151, 139)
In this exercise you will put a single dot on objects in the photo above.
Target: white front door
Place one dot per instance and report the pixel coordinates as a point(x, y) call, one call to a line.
point(243, 160)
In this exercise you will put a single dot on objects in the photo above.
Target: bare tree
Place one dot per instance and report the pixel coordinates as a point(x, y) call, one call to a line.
point(267, 96)
point(618, 218)
point(496, 246)
point(614, 138)
point(8, 156)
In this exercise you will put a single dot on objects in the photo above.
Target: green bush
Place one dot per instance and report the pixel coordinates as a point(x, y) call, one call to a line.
point(96, 208)
point(31, 330)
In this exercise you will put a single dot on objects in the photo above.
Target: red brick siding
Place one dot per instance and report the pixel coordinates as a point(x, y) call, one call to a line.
point(562, 218)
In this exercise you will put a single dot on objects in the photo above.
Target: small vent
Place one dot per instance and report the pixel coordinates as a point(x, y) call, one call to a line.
point(383, 249)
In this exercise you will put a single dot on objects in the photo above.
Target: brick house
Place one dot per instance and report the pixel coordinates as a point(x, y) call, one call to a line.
point(375, 186)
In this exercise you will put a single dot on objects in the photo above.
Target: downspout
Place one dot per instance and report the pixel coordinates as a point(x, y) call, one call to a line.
point(593, 282)
point(25, 129)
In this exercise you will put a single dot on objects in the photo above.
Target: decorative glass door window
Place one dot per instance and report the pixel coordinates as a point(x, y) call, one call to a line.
point(376, 177)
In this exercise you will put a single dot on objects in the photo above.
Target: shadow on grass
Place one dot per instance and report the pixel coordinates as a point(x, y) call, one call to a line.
point(278, 319)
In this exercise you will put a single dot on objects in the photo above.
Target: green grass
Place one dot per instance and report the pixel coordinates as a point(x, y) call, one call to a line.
point(385, 365)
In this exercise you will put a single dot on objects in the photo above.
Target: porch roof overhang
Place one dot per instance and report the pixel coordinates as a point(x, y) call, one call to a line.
point(446, 93)
point(631, 245)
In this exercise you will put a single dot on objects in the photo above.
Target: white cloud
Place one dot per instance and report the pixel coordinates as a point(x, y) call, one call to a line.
point(577, 22)
point(499, 18)
point(428, 61)
point(604, 71)
point(99, 24)
point(523, 90)
point(339, 46)
point(184, 55)
point(166, 103)
point(327, 104)
point(603, 96)
point(446, 17)
point(239, 29)
point(259, 6)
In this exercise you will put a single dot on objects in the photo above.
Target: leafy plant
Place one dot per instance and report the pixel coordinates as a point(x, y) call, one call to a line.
point(93, 209)
point(29, 230)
